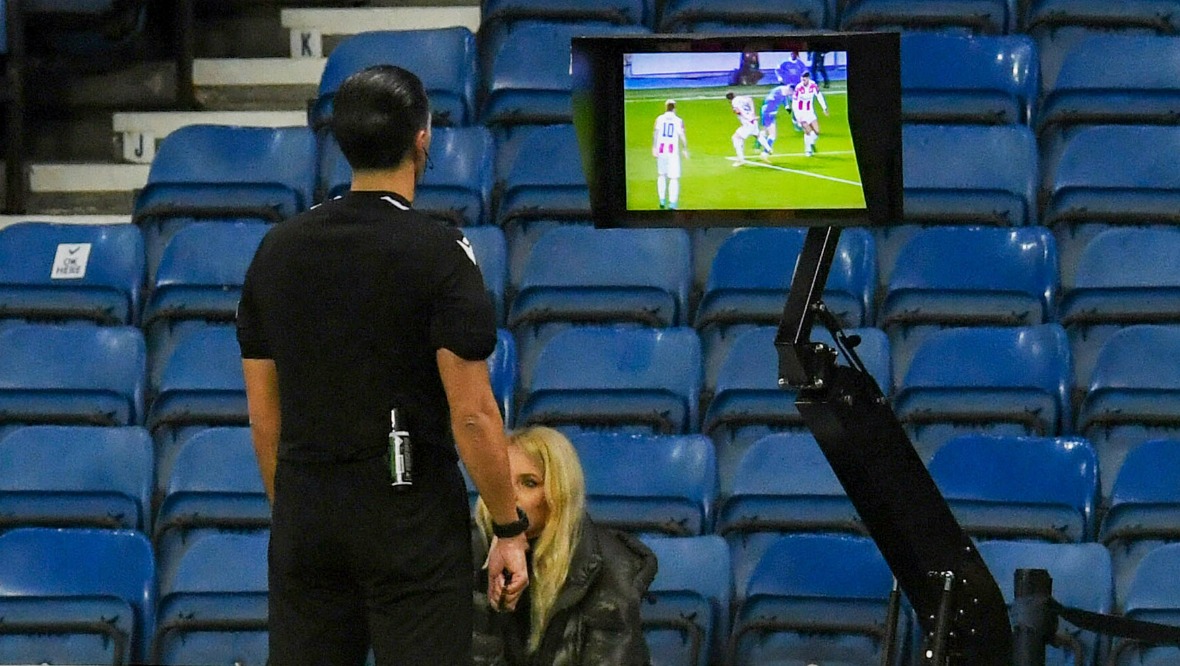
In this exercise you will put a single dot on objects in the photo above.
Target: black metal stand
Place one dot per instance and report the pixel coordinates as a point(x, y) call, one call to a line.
point(186, 40)
point(958, 603)
point(1035, 622)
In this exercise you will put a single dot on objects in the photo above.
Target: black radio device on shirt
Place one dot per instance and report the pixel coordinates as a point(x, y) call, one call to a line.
point(401, 453)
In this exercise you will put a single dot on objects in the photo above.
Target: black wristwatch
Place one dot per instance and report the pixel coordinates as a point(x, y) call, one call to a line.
point(512, 529)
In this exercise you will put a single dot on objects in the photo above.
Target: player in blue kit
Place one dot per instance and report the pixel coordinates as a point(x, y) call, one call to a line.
point(777, 98)
point(789, 72)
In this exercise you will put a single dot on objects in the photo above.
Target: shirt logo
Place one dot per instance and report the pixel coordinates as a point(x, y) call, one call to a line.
point(466, 245)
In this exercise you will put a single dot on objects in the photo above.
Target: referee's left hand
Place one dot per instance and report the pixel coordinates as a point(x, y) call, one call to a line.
point(508, 573)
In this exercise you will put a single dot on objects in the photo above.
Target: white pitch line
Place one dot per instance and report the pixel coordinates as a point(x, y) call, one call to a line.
point(698, 98)
point(801, 173)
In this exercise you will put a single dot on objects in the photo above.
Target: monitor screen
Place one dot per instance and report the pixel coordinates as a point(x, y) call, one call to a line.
point(763, 130)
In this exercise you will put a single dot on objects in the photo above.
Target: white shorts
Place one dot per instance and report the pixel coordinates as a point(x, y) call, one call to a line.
point(668, 165)
point(805, 117)
point(747, 129)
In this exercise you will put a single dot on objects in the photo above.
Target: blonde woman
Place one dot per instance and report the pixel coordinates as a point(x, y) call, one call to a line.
point(582, 606)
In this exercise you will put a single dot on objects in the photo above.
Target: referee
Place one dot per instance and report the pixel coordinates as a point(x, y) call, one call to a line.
point(351, 310)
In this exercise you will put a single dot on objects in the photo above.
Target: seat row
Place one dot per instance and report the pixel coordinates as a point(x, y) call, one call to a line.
point(102, 597)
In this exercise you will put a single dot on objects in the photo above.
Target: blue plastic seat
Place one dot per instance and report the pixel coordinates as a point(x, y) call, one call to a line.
point(814, 598)
point(1153, 596)
point(1144, 508)
point(443, 58)
point(968, 276)
point(455, 188)
point(950, 78)
point(748, 402)
point(503, 370)
point(1102, 82)
point(981, 17)
point(1088, 186)
point(71, 271)
point(76, 596)
point(527, 71)
point(214, 483)
point(686, 610)
point(967, 174)
point(1081, 576)
point(644, 379)
point(491, 253)
point(1134, 394)
point(211, 613)
point(545, 181)
point(217, 172)
point(988, 380)
point(1124, 276)
point(199, 280)
point(749, 15)
point(201, 385)
point(664, 484)
point(71, 374)
point(76, 476)
point(1020, 488)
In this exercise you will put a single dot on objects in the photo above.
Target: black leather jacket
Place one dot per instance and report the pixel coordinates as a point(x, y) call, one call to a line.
point(595, 620)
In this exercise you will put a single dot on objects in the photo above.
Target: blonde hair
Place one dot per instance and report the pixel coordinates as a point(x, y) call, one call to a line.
point(565, 494)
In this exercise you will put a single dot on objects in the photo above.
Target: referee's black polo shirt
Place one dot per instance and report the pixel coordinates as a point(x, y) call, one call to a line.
point(351, 300)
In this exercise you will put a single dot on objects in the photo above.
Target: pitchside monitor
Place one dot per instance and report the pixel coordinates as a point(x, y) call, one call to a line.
point(749, 130)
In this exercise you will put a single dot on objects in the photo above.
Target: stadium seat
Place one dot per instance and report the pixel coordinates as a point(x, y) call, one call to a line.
point(981, 17)
point(1154, 596)
point(951, 78)
point(1060, 25)
point(1144, 508)
point(814, 598)
point(968, 276)
point(1089, 187)
point(456, 187)
point(199, 280)
point(527, 70)
point(621, 12)
point(686, 610)
point(216, 172)
point(1124, 276)
point(443, 58)
point(1134, 394)
point(1081, 579)
point(748, 402)
point(522, 236)
point(503, 371)
point(201, 385)
point(1020, 488)
point(578, 275)
point(491, 253)
point(647, 380)
point(76, 596)
point(1103, 81)
point(211, 613)
point(748, 15)
point(967, 174)
point(988, 380)
point(214, 484)
point(545, 180)
point(71, 271)
point(649, 484)
point(750, 276)
point(76, 476)
point(71, 374)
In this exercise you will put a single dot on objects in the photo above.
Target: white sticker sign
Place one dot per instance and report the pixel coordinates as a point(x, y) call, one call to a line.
point(70, 261)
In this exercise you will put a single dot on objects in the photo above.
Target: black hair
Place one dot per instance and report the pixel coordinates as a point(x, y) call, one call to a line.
point(376, 114)
point(729, 95)
point(805, 73)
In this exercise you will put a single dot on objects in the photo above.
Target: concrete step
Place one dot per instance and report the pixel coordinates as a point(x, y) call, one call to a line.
point(6, 220)
point(84, 188)
point(138, 133)
point(257, 84)
point(309, 26)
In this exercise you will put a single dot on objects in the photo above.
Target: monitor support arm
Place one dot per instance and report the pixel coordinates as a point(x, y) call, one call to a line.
point(935, 563)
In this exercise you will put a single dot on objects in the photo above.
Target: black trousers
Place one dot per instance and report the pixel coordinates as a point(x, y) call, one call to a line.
point(355, 564)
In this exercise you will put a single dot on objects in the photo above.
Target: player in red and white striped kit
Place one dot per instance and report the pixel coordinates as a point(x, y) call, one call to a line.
point(803, 102)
